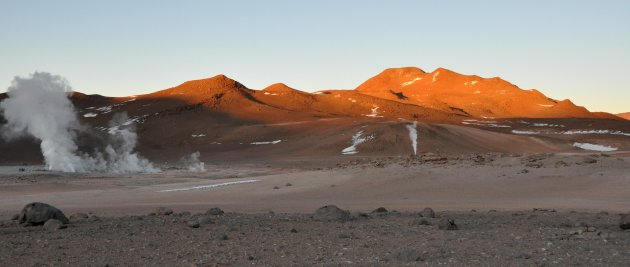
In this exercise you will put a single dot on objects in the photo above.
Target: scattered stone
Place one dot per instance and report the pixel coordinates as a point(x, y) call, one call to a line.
point(331, 213)
point(205, 219)
point(624, 222)
point(380, 210)
point(293, 230)
point(54, 225)
point(447, 224)
point(163, 211)
point(37, 213)
point(77, 217)
point(193, 224)
point(409, 256)
point(222, 237)
point(276, 187)
point(184, 214)
point(433, 157)
point(215, 211)
point(428, 212)
point(561, 164)
point(589, 161)
point(420, 222)
point(288, 184)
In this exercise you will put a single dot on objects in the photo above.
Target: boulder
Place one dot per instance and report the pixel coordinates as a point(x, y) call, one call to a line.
point(215, 211)
point(447, 224)
point(380, 210)
point(37, 213)
point(54, 225)
point(331, 213)
point(163, 211)
point(428, 212)
point(624, 223)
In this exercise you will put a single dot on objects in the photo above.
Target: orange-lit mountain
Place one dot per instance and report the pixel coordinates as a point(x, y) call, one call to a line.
point(625, 115)
point(228, 121)
point(472, 95)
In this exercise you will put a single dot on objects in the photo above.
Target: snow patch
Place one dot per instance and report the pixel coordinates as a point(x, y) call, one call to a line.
point(197, 135)
point(267, 93)
point(571, 132)
point(90, 115)
point(410, 82)
point(208, 186)
point(594, 147)
point(435, 76)
point(374, 113)
point(524, 132)
point(357, 139)
point(470, 83)
point(352, 100)
point(492, 124)
point(547, 125)
point(266, 143)
point(547, 106)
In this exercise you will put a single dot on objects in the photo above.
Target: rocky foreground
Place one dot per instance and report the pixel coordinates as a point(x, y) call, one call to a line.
point(329, 236)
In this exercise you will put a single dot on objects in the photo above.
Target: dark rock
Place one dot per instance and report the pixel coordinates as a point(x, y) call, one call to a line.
point(54, 225)
point(193, 224)
point(420, 222)
point(380, 210)
point(293, 230)
point(215, 211)
point(624, 222)
point(561, 164)
point(276, 187)
point(184, 214)
point(589, 161)
point(205, 219)
point(409, 256)
point(37, 213)
point(163, 211)
point(331, 213)
point(77, 217)
point(289, 184)
point(447, 224)
point(428, 212)
point(15, 217)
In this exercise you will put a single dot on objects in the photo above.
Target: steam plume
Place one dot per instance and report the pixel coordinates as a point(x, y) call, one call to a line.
point(413, 135)
point(38, 106)
point(193, 163)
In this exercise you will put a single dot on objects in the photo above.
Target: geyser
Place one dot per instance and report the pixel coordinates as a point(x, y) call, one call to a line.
point(39, 106)
point(413, 135)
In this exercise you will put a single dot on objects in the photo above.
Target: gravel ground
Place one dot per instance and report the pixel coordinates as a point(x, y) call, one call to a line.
point(523, 238)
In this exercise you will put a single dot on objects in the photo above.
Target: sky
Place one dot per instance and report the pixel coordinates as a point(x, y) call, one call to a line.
point(576, 49)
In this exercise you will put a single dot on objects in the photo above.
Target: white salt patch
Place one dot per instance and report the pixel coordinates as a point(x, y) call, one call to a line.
point(208, 186)
point(410, 82)
point(90, 115)
point(524, 132)
point(266, 143)
point(413, 135)
point(594, 147)
point(357, 139)
point(197, 135)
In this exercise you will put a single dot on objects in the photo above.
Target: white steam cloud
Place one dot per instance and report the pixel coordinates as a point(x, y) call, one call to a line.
point(193, 163)
point(413, 135)
point(38, 106)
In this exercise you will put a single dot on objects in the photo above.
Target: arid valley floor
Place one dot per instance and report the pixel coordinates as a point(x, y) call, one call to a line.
point(510, 209)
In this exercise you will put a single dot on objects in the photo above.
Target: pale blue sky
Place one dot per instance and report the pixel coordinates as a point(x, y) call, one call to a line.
point(567, 49)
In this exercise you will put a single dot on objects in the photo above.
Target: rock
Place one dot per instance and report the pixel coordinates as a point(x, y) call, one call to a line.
point(624, 223)
point(293, 230)
point(205, 219)
point(215, 211)
point(589, 161)
point(37, 213)
point(193, 224)
point(163, 211)
point(428, 212)
point(77, 217)
point(15, 217)
point(561, 164)
point(447, 224)
point(331, 213)
point(380, 210)
point(289, 184)
point(184, 214)
point(409, 256)
point(420, 222)
point(276, 187)
point(54, 225)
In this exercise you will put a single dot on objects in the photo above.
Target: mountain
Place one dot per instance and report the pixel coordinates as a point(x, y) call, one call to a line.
point(227, 121)
point(469, 95)
point(625, 115)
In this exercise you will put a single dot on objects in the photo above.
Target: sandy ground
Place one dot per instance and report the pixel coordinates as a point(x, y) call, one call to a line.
point(490, 196)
